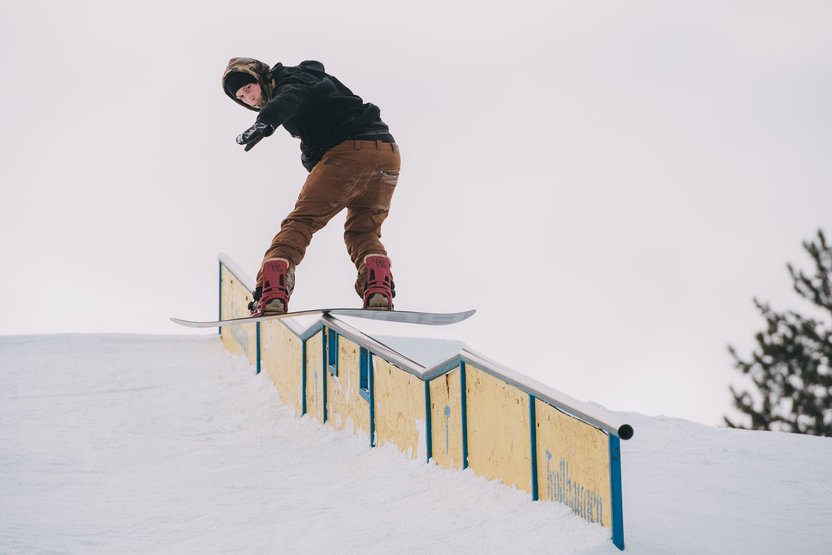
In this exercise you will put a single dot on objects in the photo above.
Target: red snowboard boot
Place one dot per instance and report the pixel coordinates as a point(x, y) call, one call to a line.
point(277, 286)
point(380, 289)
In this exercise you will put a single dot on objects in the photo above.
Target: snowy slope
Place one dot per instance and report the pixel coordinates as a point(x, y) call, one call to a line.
point(690, 488)
point(167, 444)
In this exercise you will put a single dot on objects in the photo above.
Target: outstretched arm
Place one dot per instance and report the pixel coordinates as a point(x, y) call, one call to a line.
point(279, 109)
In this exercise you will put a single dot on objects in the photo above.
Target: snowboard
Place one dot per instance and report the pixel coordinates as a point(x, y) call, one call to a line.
point(403, 316)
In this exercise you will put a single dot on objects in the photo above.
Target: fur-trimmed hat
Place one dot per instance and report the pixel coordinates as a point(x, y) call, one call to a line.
point(237, 79)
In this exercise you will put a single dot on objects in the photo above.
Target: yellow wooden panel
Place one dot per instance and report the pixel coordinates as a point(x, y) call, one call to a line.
point(399, 403)
point(346, 409)
point(498, 429)
point(314, 377)
point(446, 420)
point(573, 465)
point(280, 358)
point(234, 304)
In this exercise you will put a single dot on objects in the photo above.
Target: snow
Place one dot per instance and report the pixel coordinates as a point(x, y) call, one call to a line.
point(690, 488)
point(426, 352)
point(168, 444)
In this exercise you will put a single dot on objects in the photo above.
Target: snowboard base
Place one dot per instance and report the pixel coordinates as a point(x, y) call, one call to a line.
point(402, 316)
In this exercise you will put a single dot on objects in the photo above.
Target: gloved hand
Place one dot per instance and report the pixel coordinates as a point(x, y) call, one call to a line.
point(254, 134)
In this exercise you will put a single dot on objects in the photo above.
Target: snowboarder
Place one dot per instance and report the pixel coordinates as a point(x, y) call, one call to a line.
point(353, 162)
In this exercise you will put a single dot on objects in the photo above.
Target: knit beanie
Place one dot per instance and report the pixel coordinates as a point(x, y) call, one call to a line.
point(237, 79)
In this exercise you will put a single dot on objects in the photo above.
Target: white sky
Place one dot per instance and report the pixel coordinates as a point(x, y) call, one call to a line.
point(608, 183)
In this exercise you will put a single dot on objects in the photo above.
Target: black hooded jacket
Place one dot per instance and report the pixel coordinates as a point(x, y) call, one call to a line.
point(311, 105)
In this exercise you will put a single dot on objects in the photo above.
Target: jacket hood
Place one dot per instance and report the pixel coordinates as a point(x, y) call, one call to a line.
point(255, 68)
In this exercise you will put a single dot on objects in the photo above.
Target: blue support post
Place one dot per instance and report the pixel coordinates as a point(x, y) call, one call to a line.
point(371, 387)
point(533, 441)
point(615, 487)
point(303, 377)
point(364, 373)
point(428, 423)
point(219, 304)
point(464, 415)
point(324, 372)
point(332, 351)
point(257, 342)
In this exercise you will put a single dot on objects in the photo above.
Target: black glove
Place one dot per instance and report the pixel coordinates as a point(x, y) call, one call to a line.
point(254, 134)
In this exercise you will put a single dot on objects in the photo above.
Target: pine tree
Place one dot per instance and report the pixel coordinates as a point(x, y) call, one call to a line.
point(791, 362)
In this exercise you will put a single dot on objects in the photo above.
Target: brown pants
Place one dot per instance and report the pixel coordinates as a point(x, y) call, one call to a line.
point(360, 176)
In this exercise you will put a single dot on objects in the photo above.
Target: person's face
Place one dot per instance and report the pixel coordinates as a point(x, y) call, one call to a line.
point(251, 95)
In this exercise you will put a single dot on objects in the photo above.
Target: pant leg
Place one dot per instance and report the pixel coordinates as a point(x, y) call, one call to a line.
point(367, 212)
point(333, 182)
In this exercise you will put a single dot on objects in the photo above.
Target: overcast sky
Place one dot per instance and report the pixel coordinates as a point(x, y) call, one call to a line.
point(608, 183)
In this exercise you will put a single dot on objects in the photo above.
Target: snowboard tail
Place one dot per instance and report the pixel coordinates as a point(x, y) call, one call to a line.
point(402, 316)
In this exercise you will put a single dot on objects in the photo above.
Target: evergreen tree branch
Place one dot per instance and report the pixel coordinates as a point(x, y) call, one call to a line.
point(790, 365)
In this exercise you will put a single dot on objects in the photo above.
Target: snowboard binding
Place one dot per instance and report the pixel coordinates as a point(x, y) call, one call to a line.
point(380, 289)
point(273, 297)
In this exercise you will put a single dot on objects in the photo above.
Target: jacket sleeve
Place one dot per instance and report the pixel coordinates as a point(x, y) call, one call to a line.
point(288, 99)
point(282, 106)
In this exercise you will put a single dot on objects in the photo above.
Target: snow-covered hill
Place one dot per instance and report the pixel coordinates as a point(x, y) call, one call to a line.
point(167, 444)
